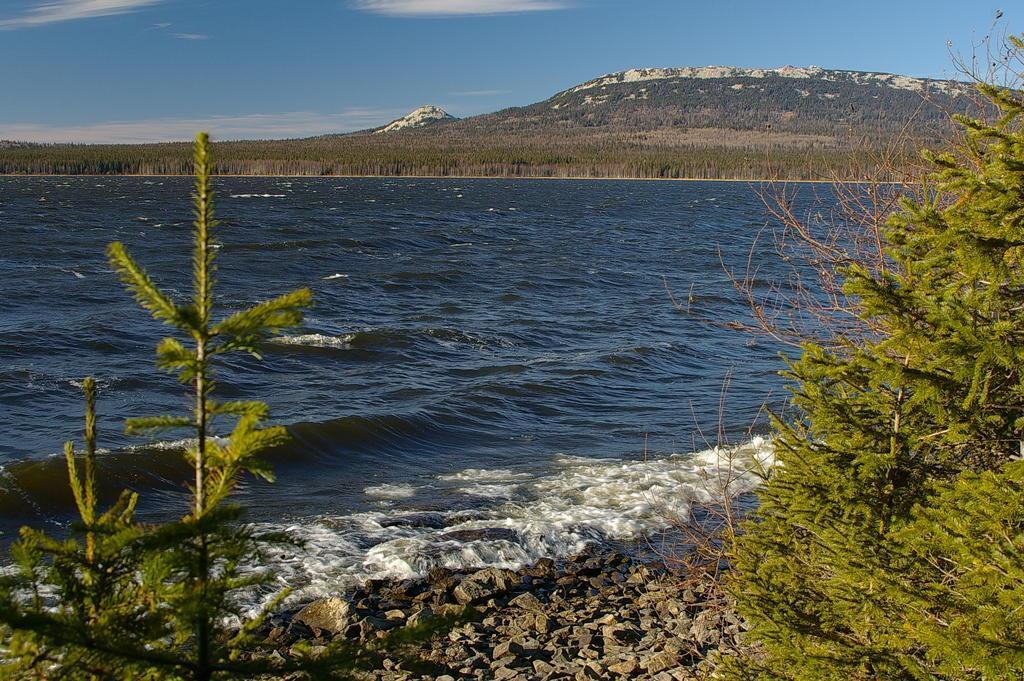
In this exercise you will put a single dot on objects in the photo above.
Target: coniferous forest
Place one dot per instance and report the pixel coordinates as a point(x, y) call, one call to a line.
point(589, 156)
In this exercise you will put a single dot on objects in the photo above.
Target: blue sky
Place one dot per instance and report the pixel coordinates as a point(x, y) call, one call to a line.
point(134, 70)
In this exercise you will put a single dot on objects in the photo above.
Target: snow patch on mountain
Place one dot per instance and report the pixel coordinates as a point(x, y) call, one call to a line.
point(425, 115)
point(798, 72)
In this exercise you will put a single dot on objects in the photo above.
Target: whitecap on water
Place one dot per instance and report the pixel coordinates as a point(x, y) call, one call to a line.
point(172, 445)
point(337, 275)
point(316, 340)
point(161, 445)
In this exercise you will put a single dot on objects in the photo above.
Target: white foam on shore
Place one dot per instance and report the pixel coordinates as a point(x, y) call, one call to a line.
point(494, 475)
point(490, 491)
point(555, 513)
point(499, 483)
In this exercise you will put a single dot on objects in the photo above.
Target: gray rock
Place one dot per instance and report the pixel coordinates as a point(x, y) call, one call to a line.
point(278, 635)
point(587, 674)
point(626, 668)
point(370, 626)
point(527, 601)
point(507, 648)
point(499, 578)
point(543, 568)
point(542, 667)
point(421, 616)
point(302, 647)
point(327, 614)
point(660, 662)
point(701, 631)
point(451, 609)
point(433, 521)
point(469, 591)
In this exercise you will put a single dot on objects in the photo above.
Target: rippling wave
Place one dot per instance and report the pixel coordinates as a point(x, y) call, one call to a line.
point(473, 385)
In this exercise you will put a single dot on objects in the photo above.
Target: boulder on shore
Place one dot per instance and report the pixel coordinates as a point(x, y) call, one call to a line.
point(327, 614)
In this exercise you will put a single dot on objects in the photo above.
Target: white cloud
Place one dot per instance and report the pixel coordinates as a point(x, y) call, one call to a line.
point(429, 8)
point(54, 11)
point(191, 36)
point(251, 126)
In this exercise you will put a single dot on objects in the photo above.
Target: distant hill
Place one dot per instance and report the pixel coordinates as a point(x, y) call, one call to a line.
point(705, 122)
point(812, 101)
point(423, 117)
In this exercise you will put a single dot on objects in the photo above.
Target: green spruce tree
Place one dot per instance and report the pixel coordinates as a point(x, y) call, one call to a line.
point(73, 605)
point(201, 574)
point(887, 543)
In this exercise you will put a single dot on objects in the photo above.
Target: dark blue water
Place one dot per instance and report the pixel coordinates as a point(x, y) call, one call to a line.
point(492, 326)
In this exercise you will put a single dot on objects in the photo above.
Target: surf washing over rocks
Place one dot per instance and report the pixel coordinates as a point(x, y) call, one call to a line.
point(581, 503)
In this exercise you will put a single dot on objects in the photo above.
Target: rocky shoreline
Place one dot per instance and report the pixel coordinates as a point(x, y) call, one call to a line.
point(596, 616)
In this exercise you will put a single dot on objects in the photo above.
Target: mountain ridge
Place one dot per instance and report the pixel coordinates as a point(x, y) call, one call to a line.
point(850, 86)
point(798, 100)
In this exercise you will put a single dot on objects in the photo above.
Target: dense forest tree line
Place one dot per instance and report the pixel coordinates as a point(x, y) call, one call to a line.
point(597, 156)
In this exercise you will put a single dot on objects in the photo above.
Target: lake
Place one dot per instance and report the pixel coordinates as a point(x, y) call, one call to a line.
point(493, 370)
